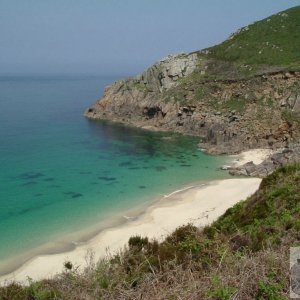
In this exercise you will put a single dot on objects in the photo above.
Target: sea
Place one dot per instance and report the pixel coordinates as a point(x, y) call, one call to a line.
point(60, 172)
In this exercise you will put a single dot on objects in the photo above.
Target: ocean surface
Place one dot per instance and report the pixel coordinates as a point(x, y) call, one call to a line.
point(60, 172)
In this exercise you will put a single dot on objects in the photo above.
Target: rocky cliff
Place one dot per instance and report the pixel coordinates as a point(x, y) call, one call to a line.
point(226, 94)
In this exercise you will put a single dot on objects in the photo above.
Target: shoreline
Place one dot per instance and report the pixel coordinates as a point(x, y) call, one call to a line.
point(257, 156)
point(189, 205)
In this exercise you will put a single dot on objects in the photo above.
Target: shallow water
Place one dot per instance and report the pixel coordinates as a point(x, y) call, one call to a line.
point(61, 172)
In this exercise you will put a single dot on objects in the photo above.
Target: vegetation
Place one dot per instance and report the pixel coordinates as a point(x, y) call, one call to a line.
point(238, 105)
point(265, 46)
point(243, 255)
point(273, 41)
point(291, 117)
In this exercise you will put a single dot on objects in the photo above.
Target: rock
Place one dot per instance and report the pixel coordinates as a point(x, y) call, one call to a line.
point(250, 167)
point(233, 118)
point(283, 103)
point(296, 107)
point(169, 70)
point(276, 160)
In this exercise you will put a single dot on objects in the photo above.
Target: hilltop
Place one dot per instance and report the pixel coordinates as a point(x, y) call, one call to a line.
point(241, 94)
point(273, 41)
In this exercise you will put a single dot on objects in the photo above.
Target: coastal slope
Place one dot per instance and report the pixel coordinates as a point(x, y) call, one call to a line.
point(198, 204)
point(239, 95)
point(242, 255)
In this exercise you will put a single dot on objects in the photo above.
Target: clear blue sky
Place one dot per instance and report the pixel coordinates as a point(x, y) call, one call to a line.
point(116, 36)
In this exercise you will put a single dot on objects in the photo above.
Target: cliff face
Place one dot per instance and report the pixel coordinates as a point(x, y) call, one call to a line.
point(230, 116)
point(231, 104)
point(166, 73)
point(138, 100)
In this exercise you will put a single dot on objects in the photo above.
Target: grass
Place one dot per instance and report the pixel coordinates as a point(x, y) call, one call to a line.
point(265, 46)
point(272, 41)
point(243, 255)
point(238, 105)
point(291, 117)
point(264, 219)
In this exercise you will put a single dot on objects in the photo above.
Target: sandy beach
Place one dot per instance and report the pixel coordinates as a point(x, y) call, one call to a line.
point(198, 204)
point(257, 156)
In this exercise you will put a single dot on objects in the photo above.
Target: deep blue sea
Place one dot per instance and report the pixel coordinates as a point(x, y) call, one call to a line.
point(60, 172)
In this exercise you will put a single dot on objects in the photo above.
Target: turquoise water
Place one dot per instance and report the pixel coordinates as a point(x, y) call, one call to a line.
point(61, 172)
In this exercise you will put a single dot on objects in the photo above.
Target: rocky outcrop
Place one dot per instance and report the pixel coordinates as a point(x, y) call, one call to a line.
point(164, 74)
point(280, 158)
point(138, 100)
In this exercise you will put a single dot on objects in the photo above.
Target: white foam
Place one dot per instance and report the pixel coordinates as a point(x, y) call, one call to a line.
point(178, 191)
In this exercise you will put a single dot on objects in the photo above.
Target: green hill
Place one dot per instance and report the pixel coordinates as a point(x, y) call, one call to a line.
point(273, 41)
point(265, 46)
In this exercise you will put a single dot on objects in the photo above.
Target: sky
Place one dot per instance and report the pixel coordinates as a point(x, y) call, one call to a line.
point(110, 37)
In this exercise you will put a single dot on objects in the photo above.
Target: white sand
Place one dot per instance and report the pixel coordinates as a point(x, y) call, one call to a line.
point(257, 156)
point(199, 205)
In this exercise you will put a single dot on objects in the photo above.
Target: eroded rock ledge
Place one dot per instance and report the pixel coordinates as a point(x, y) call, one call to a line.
point(279, 158)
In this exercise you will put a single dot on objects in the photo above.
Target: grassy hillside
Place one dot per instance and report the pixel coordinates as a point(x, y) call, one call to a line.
point(265, 46)
point(272, 41)
point(244, 255)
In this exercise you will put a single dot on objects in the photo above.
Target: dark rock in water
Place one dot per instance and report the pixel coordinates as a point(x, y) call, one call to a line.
point(105, 178)
point(125, 164)
point(180, 157)
point(77, 195)
point(49, 179)
point(112, 182)
point(142, 187)
point(73, 194)
point(53, 186)
point(24, 211)
point(29, 183)
point(69, 193)
point(30, 175)
point(160, 168)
